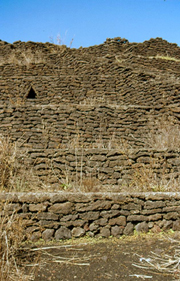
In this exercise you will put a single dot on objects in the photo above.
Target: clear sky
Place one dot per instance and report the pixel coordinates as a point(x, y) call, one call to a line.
point(89, 22)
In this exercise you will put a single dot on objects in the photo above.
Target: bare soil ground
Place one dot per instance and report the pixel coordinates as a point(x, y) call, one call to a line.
point(107, 259)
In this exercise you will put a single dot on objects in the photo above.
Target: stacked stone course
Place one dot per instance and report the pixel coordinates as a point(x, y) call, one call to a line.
point(110, 167)
point(54, 216)
point(52, 126)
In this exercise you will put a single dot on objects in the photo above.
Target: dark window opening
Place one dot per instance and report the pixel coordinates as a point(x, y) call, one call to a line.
point(31, 94)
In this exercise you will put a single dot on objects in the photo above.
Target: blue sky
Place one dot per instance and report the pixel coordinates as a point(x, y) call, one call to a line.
point(89, 22)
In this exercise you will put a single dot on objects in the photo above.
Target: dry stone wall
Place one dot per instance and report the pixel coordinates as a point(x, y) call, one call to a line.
point(91, 169)
point(63, 104)
point(99, 142)
point(88, 114)
point(61, 215)
point(116, 72)
point(61, 126)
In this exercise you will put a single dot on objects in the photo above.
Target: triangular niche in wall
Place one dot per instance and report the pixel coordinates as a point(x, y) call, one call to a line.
point(31, 94)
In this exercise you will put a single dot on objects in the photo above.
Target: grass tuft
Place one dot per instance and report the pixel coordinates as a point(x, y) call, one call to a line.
point(12, 264)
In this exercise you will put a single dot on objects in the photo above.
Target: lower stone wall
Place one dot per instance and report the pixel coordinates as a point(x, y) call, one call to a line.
point(54, 216)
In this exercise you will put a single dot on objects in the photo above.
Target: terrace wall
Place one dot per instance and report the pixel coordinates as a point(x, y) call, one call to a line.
point(61, 126)
point(116, 168)
point(65, 215)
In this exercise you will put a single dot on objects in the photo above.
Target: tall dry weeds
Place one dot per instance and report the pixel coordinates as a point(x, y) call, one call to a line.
point(15, 175)
point(12, 266)
point(156, 176)
point(165, 135)
point(11, 225)
point(146, 179)
point(8, 159)
point(22, 58)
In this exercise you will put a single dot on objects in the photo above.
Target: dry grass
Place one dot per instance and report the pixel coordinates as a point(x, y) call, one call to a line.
point(11, 226)
point(60, 41)
point(162, 57)
point(12, 172)
point(9, 165)
point(165, 58)
point(93, 101)
point(12, 266)
point(8, 154)
point(146, 179)
point(156, 176)
point(165, 135)
point(14, 176)
point(77, 181)
point(24, 58)
point(167, 262)
point(121, 144)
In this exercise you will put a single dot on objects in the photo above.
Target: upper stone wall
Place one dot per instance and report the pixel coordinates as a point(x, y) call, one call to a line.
point(117, 95)
point(115, 72)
